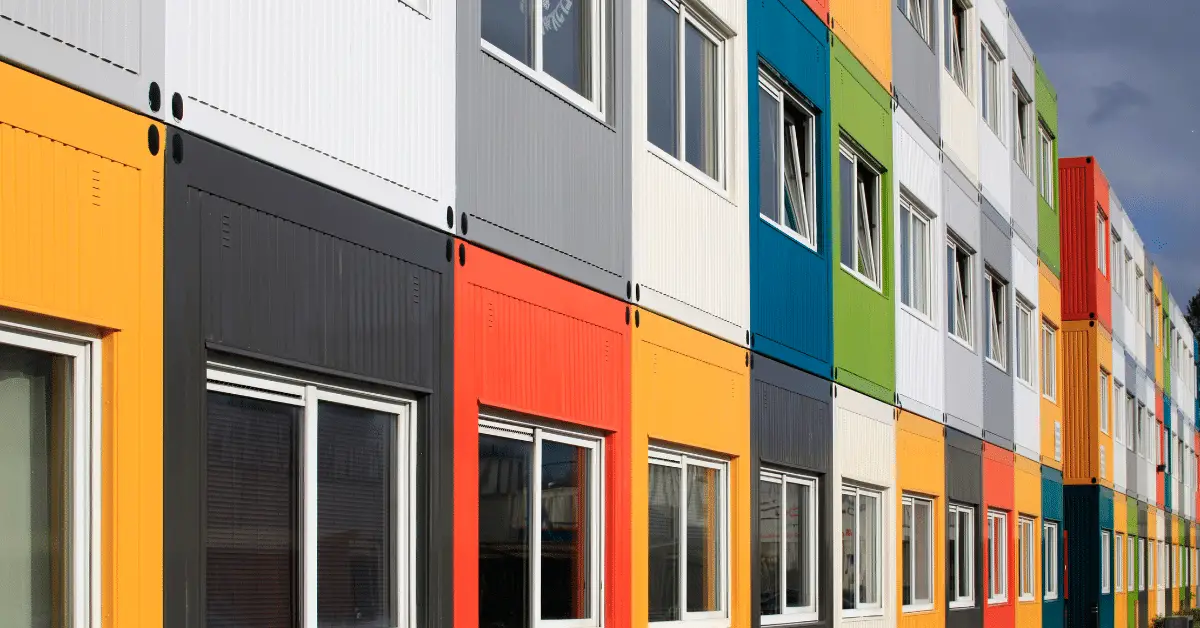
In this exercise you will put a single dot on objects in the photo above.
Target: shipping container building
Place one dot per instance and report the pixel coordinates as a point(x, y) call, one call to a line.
point(1132, 586)
point(1053, 593)
point(1167, 445)
point(1089, 526)
point(964, 312)
point(1159, 605)
point(791, 440)
point(541, 408)
point(791, 245)
point(916, 79)
point(959, 92)
point(995, 95)
point(865, 28)
point(1045, 102)
point(1023, 145)
point(1119, 545)
point(920, 318)
point(1156, 287)
point(1143, 560)
point(1087, 293)
point(691, 258)
point(1160, 454)
point(1087, 415)
point(1000, 536)
point(864, 476)
point(921, 504)
point(1051, 367)
point(965, 530)
point(820, 8)
point(864, 328)
point(81, 333)
point(705, 438)
point(286, 383)
point(1120, 429)
point(1027, 561)
point(998, 300)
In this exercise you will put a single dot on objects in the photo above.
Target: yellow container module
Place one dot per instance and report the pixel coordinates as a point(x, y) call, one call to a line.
point(1049, 303)
point(1027, 497)
point(81, 233)
point(865, 26)
point(690, 420)
point(1086, 396)
point(920, 476)
point(1120, 561)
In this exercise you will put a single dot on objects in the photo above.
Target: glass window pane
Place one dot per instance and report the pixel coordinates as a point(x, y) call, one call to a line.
point(768, 154)
point(906, 253)
point(662, 76)
point(252, 545)
point(798, 527)
point(566, 515)
point(701, 99)
point(703, 539)
point(505, 484)
point(769, 530)
point(906, 554)
point(567, 45)
point(849, 566)
point(506, 25)
point(952, 554)
point(920, 269)
point(848, 191)
point(793, 202)
point(664, 543)
point(923, 526)
point(965, 554)
point(868, 528)
point(355, 493)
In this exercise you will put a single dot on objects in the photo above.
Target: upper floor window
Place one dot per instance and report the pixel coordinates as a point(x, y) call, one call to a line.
point(916, 249)
point(1135, 300)
point(916, 553)
point(958, 33)
point(862, 218)
point(997, 556)
point(917, 12)
point(1101, 242)
point(1024, 339)
point(685, 87)
point(862, 551)
point(960, 319)
point(960, 535)
point(559, 44)
point(1104, 417)
point(787, 154)
point(990, 83)
point(1118, 268)
point(1049, 361)
point(1050, 560)
point(788, 523)
point(996, 328)
point(1022, 125)
point(1046, 164)
point(1118, 410)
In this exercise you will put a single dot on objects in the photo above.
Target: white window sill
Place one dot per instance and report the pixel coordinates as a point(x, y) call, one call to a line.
point(789, 233)
point(996, 364)
point(1026, 598)
point(997, 601)
point(1026, 384)
point(789, 619)
point(862, 278)
point(916, 608)
point(698, 175)
point(1050, 598)
point(692, 623)
point(919, 315)
point(962, 604)
point(1050, 398)
point(861, 614)
point(546, 81)
point(965, 344)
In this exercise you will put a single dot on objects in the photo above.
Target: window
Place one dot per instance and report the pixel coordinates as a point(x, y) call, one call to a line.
point(917, 12)
point(996, 328)
point(1131, 564)
point(1022, 125)
point(917, 553)
point(958, 32)
point(862, 221)
point(788, 521)
point(685, 91)
point(1162, 565)
point(1118, 399)
point(1026, 552)
point(1105, 562)
point(1130, 286)
point(1118, 561)
point(1023, 339)
point(308, 492)
point(915, 253)
point(1139, 281)
point(990, 83)
point(787, 149)
point(1101, 242)
point(997, 556)
point(960, 533)
point(1049, 361)
point(1118, 268)
point(1046, 164)
point(689, 523)
point(561, 47)
point(1050, 560)
point(1103, 407)
point(959, 316)
point(862, 551)
point(1143, 559)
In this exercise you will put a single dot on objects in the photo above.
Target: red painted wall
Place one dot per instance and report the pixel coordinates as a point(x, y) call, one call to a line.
point(1086, 292)
point(531, 343)
point(998, 479)
point(820, 7)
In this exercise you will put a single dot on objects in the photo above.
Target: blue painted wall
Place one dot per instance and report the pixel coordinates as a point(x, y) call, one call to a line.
point(1052, 510)
point(791, 286)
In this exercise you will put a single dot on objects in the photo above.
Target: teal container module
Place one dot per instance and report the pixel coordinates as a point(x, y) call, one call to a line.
point(1053, 611)
point(1089, 520)
point(791, 285)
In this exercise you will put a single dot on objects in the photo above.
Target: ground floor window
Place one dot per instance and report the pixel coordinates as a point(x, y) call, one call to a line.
point(1049, 561)
point(916, 553)
point(787, 517)
point(1118, 561)
point(997, 556)
point(1105, 562)
point(960, 566)
point(862, 550)
point(1026, 551)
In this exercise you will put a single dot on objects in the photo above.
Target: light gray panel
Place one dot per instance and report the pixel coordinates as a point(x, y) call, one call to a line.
point(964, 388)
point(915, 75)
point(1024, 207)
point(539, 179)
point(997, 240)
point(961, 203)
point(997, 400)
point(998, 405)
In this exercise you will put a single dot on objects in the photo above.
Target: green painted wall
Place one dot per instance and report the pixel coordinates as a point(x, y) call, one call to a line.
point(1131, 527)
point(1046, 102)
point(864, 328)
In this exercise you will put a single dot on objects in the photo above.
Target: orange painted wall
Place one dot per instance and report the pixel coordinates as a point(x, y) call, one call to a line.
point(921, 470)
point(691, 390)
point(81, 237)
point(998, 494)
point(865, 26)
point(1049, 297)
point(1120, 525)
point(1027, 495)
point(1087, 348)
point(530, 343)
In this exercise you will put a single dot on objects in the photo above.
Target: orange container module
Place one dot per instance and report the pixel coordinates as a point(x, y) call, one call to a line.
point(999, 571)
point(1049, 293)
point(541, 433)
point(1027, 495)
point(865, 26)
point(1087, 431)
point(1084, 209)
point(921, 478)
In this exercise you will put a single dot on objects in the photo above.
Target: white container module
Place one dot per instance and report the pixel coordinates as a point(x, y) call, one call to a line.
point(1026, 328)
point(993, 96)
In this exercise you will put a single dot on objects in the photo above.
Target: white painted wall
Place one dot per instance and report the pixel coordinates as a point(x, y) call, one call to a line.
point(1120, 481)
point(995, 162)
point(960, 117)
point(1027, 404)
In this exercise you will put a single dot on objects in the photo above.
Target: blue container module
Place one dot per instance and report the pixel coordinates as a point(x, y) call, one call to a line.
point(1053, 611)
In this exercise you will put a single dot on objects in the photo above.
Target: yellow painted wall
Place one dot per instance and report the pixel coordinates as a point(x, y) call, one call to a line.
point(1027, 496)
point(81, 232)
point(1087, 348)
point(1050, 305)
point(865, 26)
point(1120, 526)
point(692, 390)
point(922, 470)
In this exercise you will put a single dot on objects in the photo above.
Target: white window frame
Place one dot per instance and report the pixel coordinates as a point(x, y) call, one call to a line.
point(996, 341)
point(873, 262)
point(959, 44)
point(990, 84)
point(1118, 562)
point(997, 557)
point(1024, 345)
point(910, 568)
point(1105, 390)
point(1022, 125)
point(956, 510)
point(494, 425)
point(1118, 267)
point(1049, 360)
point(1162, 565)
point(1141, 564)
point(1049, 561)
point(1118, 410)
point(794, 614)
point(917, 13)
point(308, 395)
point(688, 15)
point(862, 609)
point(1135, 298)
point(963, 296)
point(806, 215)
point(1131, 563)
point(1101, 242)
point(597, 18)
point(1046, 164)
point(922, 307)
point(1058, 446)
point(1027, 559)
point(666, 457)
point(1105, 564)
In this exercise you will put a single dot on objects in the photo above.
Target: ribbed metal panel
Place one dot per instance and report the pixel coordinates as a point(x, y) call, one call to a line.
point(998, 417)
point(995, 162)
point(916, 78)
point(964, 484)
point(960, 127)
point(1027, 424)
point(866, 28)
point(1082, 506)
point(1052, 510)
point(793, 416)
point(1079, 430)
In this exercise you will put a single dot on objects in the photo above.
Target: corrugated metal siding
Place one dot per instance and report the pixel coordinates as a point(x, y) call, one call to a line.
point(998, 493)
point(1079, 425)
point(1045, 101)
point(995, 162)
point(921, 470)
point(1078, 239)
point(916, 76)
point(1052, 510)
point(794, 416)
point(964, 484)
point(960, 127)
point(296, 82)
point(997, 383)
point(866, 27)
point(1082, 505)
point(964, 368)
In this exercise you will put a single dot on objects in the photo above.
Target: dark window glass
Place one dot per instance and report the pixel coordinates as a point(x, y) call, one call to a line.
point(506, 25)
point(798, 526)
point(849, 567)
point(701, 100)
point(662, 76)
point(704, 540)
point(505, 483)
point(769, 530)
point(566, 48)
point(566, 514)
point(664, 542)
point(768, 154)
point(847, 182)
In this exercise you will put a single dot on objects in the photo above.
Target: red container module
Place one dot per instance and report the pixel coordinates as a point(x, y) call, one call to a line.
point(1086, 261)
point(546, 355)
point(998, 499)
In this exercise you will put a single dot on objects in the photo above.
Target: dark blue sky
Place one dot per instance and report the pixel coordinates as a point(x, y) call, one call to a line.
point(1128, 81)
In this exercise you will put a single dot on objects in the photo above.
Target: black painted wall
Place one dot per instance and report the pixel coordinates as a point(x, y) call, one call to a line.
point(1081, 505)
point(1143, 612)
point(264, 268)
point(964, 485)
